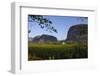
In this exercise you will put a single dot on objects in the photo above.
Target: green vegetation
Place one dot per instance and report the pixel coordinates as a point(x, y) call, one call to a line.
point(42, 22)
point(51, 51)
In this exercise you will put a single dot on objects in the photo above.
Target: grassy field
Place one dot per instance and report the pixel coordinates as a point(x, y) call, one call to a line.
point(52, 51)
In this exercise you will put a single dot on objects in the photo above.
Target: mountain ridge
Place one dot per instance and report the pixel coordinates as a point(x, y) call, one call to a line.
point(76, 33)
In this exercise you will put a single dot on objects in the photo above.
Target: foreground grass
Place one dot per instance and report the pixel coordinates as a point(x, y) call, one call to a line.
point(43, 51)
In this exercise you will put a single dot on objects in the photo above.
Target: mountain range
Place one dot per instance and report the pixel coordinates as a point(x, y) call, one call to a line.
point(76, 33)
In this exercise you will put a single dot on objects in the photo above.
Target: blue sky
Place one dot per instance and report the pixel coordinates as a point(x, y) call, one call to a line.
point(61, 23)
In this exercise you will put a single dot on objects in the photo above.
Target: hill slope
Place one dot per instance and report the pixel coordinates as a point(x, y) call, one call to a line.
point(44, 38)
point(78, 33)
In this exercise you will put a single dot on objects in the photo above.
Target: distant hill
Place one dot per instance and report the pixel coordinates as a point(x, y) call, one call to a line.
point(30, 39)
point(78, 33)
point(44, 38)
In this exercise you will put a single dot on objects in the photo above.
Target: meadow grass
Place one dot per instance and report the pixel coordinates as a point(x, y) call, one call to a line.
point(51, 51)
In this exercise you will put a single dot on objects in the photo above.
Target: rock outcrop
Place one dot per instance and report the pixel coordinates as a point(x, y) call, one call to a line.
point(78, 33)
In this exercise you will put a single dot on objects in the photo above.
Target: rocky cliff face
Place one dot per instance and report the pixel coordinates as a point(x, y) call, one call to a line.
point(44, 38)
point(78, 33)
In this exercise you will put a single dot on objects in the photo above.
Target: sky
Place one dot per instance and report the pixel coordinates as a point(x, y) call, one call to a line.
point(61, 23)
